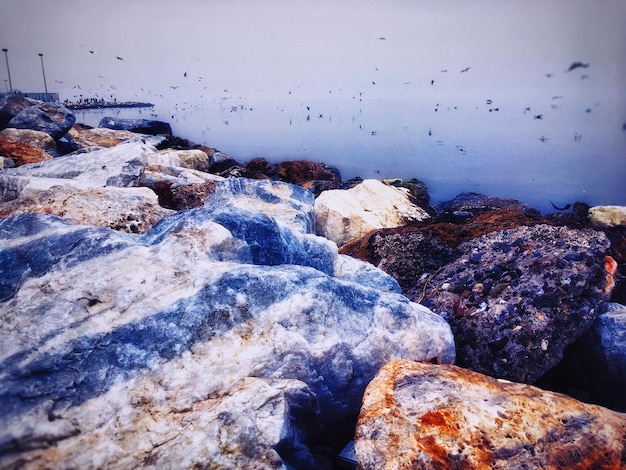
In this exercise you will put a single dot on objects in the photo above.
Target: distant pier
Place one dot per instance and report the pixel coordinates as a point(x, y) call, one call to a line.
point(97, 104)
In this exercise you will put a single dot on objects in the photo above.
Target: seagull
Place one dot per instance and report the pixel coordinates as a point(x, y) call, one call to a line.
point(577, 65)
point(174, 87)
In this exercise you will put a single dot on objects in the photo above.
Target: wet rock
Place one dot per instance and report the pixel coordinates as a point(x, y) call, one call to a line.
point(424, 416)
point(607, 216)
point(128, 210)
point(51, 118)
point(342, 216)
point(140, 126)
point(475, 203)
point(35, 138)
point(405, 253)
point(21, 154)
point(516, 298)
point(220, 337)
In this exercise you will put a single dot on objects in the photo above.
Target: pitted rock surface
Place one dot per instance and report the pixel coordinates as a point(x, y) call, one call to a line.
point(516, 298)
point(424, 416)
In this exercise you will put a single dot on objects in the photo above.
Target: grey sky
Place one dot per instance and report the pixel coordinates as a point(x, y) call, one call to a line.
point(274, 45)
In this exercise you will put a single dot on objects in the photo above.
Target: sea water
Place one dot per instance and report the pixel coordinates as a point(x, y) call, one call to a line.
point(560, 151)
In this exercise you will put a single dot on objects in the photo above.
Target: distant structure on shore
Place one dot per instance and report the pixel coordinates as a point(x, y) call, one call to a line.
point(47, 97)
point(95, 103)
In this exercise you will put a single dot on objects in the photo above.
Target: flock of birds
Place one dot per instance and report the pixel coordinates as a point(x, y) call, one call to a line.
point(183, 97)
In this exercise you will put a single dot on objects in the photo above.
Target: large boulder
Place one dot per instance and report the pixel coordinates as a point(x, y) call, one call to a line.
point(424, 416)
point(51, 118)
point(607, 216)
point(86, 137)
point(122, 166)
point(141, 126)
point(220, 337)
point(516, 298)
point(30, 137)
point(345, 215)
point(22, 154)
point(11, 105)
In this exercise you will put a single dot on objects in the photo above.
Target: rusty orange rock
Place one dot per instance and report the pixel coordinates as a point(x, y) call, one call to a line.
point(425, 416)
point(22, 153)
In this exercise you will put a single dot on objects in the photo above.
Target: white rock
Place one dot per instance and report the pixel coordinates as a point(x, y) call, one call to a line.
point(607, 216)
point(218, 338)
point(194, 159)
point(131, 210)
point(342, 215)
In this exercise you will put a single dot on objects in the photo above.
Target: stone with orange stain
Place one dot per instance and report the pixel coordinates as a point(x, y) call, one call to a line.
point(22, 153)
point(86, 136)
point(423, 416)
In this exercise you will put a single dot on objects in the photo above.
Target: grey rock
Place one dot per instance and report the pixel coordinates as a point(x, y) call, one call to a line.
point(51, 118)
point(475, 203)
point(140, 126)
point(516, 298)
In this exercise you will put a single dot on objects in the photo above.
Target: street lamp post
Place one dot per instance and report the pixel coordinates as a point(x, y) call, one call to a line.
point(6, 56)
point(44, 73)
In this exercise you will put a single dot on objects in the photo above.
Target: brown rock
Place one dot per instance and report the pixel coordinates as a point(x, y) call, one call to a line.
point(86, 136)
point(453, 235)
point(424, 416)
point(22, 153)
point(30, 137)
point(301, 171)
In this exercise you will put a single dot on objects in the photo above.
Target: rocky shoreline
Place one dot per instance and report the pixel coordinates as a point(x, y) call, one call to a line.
point(164, 305)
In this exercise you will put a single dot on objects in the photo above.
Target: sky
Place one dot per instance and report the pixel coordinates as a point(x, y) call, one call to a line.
point(275, 45)
point(325, 77)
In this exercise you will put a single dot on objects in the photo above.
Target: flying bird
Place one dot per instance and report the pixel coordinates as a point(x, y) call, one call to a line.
point(465, 69)
point(185, 74)
point(119, 58)
point(539, 116)
point(577, 65)
point(564, 208)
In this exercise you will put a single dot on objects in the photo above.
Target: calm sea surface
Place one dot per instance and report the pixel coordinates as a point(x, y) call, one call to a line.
point(561, 151)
